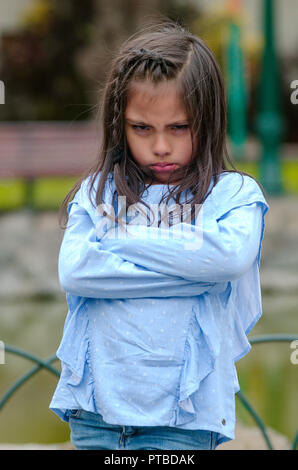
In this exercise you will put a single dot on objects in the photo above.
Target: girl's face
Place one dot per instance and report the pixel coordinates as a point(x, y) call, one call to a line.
point(157, 128)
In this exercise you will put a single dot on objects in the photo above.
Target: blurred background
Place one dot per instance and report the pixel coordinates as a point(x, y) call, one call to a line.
point(54, 57)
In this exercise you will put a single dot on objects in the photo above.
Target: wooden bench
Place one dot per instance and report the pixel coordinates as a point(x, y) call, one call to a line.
point(30, 150)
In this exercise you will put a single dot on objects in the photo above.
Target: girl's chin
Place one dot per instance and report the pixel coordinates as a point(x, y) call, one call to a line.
point(162, 177)
point(160, 181)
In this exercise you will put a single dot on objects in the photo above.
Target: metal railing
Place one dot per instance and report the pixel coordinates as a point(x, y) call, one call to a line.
point(46, 364)
point(248, 406)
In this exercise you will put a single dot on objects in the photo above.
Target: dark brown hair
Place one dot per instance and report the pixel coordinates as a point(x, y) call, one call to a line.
point(163, 51)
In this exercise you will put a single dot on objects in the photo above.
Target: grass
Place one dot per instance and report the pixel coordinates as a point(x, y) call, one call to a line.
point(48, 193)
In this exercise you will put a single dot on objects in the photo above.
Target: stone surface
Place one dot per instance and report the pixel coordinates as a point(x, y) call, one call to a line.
point(246, 438)
point(251, 438)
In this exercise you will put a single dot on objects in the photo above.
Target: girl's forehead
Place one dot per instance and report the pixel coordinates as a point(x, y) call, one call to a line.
point(145, 95)
point(150, 91)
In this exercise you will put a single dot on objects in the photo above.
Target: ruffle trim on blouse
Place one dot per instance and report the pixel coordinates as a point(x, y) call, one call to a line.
point(82, 388)
point(202, 347)
point(245, 301)
point(238, 309)
point(74, 352)
point(72, 346)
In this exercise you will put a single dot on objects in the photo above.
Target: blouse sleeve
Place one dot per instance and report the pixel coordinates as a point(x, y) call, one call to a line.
point(86, 269)
point(225, 246)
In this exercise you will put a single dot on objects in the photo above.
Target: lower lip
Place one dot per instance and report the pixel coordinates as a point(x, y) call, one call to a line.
point(163, 168)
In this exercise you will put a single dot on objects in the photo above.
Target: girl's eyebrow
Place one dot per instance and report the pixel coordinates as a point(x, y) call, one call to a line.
point(141, 123)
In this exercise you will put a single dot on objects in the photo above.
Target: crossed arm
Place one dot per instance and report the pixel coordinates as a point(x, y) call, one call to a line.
point(223, 249)
point(134, 268)
point(86, 269)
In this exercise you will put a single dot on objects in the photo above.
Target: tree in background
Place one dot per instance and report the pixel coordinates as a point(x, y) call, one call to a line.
point(38, 64)
point(54, 66)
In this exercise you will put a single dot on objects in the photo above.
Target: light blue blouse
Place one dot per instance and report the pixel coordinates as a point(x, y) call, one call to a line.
point(158, 317)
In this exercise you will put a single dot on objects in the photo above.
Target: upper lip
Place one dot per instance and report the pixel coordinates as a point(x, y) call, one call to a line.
point(162, 164)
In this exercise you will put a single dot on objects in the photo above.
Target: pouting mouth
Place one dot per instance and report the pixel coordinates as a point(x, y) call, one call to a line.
point(162, 164)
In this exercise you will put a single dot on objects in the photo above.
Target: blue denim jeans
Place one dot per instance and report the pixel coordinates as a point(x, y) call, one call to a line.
point(90, 432)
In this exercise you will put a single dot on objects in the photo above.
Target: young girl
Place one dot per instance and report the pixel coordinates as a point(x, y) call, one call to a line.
point(160, 301)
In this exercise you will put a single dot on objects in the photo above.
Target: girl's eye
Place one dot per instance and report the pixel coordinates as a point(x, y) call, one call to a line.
point(182, 127)
point(176, 128)
point(140, 128)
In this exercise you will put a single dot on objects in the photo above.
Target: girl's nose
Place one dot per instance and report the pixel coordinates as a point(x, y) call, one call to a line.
point(161, 146)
